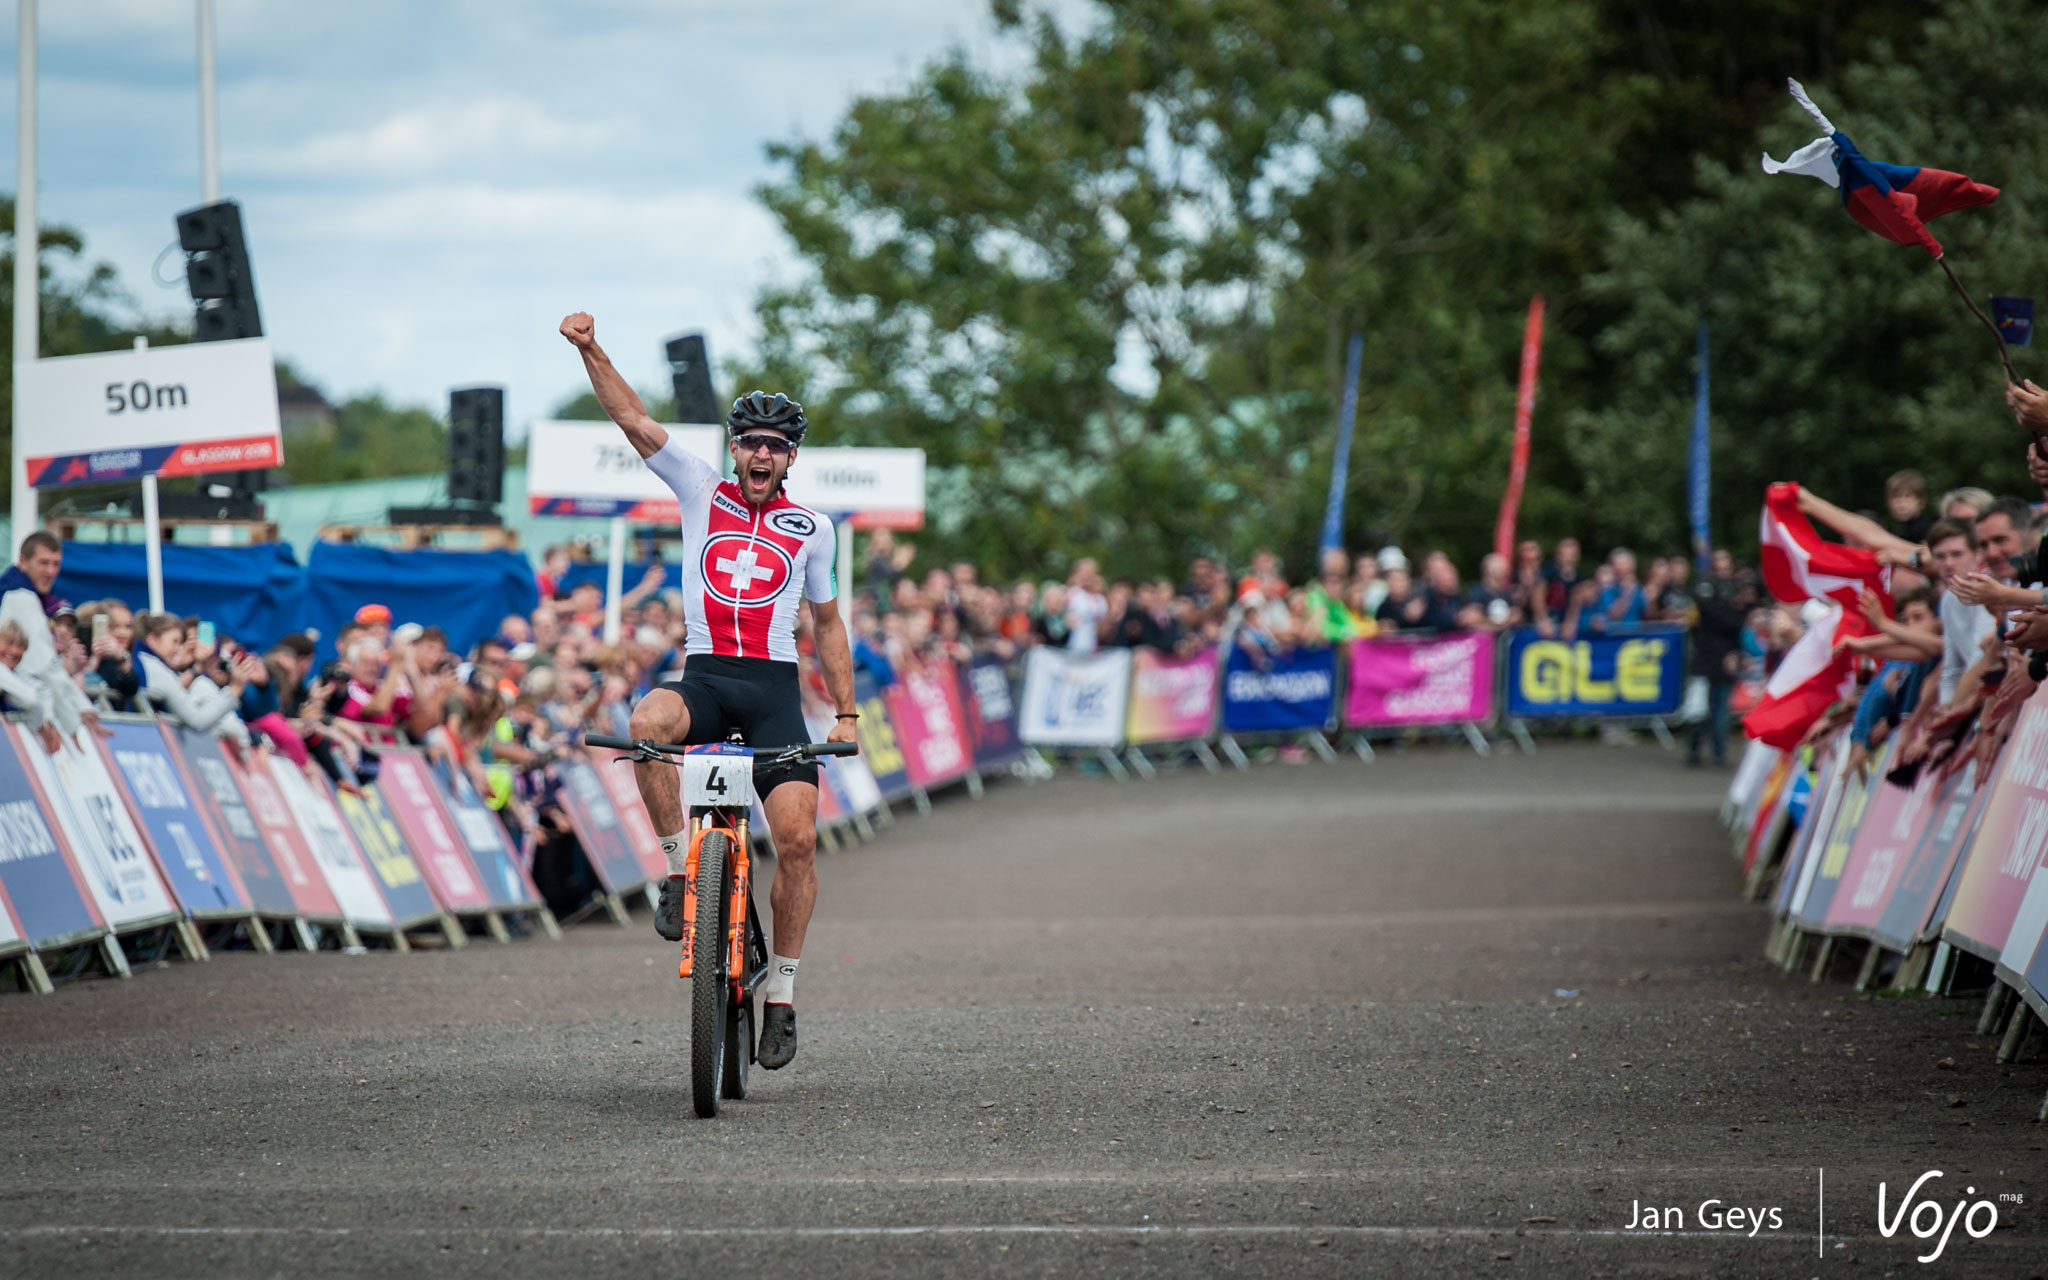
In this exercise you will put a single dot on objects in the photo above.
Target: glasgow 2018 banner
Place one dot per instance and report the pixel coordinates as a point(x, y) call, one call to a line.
point(1396, 681)
point(1641, 673)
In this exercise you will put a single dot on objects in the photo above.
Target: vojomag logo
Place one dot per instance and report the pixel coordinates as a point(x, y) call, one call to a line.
point(1927, 1221)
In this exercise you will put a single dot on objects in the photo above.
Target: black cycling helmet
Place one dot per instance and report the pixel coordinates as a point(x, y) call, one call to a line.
point(759, 409)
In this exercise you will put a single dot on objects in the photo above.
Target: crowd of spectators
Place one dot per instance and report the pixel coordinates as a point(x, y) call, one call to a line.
point(501, 714)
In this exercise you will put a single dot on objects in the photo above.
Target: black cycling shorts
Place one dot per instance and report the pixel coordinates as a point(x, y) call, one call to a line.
point(756, 696)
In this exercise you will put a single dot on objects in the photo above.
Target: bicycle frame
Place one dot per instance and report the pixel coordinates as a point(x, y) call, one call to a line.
point(742, 925)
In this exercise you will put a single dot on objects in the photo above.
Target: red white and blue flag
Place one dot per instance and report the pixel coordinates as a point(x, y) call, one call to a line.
point(1896, 201)
point(1799, 565)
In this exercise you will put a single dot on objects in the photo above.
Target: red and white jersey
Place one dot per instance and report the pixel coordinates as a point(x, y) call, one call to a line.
point(744, 567)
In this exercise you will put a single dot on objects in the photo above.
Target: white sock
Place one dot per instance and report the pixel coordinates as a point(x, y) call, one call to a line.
point(780, 988)
point(676, 849)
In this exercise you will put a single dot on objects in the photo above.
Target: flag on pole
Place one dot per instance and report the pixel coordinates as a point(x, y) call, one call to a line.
point(1340, 467)
point(1799, 565)
point(1525, 408)
point(1896, 201)
point(1697, 486)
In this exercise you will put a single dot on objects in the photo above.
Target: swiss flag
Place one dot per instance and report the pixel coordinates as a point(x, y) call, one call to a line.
point(1799, 565)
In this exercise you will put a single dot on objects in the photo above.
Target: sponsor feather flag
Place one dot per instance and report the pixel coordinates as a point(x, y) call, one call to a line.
point(1896, 201)
point(1799, 565)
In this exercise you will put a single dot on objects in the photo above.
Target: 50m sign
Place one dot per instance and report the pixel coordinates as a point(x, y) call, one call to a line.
point(167, 411)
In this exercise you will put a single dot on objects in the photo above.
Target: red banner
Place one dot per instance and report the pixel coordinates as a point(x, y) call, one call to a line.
point(924, 708)
point(1525, 406)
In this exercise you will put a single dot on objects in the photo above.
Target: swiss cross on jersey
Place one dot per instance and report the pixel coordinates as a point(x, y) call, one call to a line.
point(745, 569)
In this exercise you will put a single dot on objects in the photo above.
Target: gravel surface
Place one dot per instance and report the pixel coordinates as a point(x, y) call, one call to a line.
point(1301, 1020)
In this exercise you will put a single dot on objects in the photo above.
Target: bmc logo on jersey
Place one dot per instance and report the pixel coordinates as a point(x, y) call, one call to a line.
point(743, 570)
point(794, 523)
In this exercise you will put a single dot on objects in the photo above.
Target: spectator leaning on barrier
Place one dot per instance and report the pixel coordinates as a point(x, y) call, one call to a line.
point(168, 657)
point(18, 693)
point(1561, 582)
point(28, 598)
point(1327, 602)
point(1086, 606)
point(1490, 604)
point(112, 642)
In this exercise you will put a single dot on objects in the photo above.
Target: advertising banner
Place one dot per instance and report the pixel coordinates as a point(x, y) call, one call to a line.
point(623, 791)
point(1830, 761)
point(102, 838)
point(1075, 699)
point(12, 939)
point(406, 888)
point(1904, 919)
point(1893, 826)
point(1770, 811)
point(597, 828)
point(178, 835)
point(169, 411)
point(328, 884)
point(1400, 681)
point(1826, 862)
point(490, 845)
point(2025, 940)
point(590, 469)
point(924, 709)
point(845, 778)
point(48, 896)
point(1282, 693)
point(1640, 673)
point(2007, 851)
point(879, 488)
point(238, 836)
point(878, 742)
point(991, 711)
point(406, 786)
point(1172, 699)
point(334, 857)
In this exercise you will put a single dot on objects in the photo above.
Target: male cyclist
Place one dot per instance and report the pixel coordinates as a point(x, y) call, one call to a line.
point(749, 555)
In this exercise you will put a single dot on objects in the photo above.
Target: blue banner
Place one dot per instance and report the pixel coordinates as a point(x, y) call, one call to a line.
point(1279, 693)
point(465, 593)
point(398, 875)
point(1618, 675)
point(599, 832)
point(488, 842)
point(241, 840)
point(1698, 470)
point(991, 707)
point(1340, 466)
point(184, 847)
point(250, 593)
point(47, 897)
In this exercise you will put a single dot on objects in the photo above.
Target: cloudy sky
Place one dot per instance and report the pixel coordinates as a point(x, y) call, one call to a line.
point(429, 186)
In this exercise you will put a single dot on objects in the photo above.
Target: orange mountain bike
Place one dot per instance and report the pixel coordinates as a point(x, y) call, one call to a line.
point(725, 951)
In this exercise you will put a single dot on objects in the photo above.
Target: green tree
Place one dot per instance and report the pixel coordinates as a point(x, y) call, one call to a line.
point(1838, 357)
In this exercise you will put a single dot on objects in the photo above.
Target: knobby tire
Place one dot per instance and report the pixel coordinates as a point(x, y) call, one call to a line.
point(710, 1006)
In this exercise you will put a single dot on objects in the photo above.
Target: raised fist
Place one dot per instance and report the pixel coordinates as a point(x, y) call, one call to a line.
point(580, 330)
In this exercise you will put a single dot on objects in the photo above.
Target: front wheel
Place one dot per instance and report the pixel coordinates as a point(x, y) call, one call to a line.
point(710, 991)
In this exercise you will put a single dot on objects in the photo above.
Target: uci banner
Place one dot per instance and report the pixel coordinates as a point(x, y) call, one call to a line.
point(1172, 699)
point(1075, 699)
point(1634, 674)
point(1279, 692)
point(1396, 681)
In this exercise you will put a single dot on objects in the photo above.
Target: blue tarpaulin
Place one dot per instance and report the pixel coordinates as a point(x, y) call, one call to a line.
point(465, 593)
point(250, 593)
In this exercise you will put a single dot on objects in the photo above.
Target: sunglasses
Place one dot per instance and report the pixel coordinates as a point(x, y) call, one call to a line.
point(779, 446)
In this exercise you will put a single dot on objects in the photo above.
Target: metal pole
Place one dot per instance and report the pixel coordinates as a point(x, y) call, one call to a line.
point(615, 581)
point(845, 584)
point(209, 110)
point(27, 254)
point(152, 529)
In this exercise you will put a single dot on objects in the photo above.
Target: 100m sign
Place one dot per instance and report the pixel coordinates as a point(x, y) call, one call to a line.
point(143, 396)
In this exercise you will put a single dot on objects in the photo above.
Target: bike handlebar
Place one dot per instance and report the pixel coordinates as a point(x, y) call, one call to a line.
point(800, 751)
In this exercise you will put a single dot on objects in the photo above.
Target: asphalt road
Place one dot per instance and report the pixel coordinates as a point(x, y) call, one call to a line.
point(1302, 1020)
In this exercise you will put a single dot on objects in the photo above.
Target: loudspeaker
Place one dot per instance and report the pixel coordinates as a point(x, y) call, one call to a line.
point(476, 444)
point(690, 374)
point(218, 273)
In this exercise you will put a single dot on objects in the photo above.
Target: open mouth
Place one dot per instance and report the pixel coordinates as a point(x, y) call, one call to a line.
point(759, 472)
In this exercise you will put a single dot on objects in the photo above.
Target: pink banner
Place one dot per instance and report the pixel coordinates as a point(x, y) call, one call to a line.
point(1172, 699)
point(442, 857)
point(924, 709)
point(1892, 825)
point(623, 789)
point(2010, 842)
point(1435, 680)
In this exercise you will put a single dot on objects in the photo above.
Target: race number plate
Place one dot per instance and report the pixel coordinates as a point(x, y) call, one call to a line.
point(724, 778)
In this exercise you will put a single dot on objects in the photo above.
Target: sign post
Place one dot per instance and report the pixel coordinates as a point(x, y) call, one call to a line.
point(588, 469)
